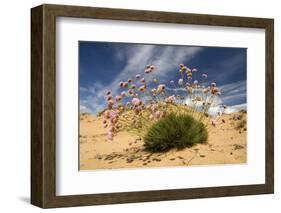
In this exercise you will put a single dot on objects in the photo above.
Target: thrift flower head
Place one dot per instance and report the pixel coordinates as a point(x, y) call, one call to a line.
point(171, 99)
point(125, 84)
point(184, 68)
point(106, 114)
point(123, 94)
point(142, 88)
point(188, 70)
point(118, 98)
point(130, 91)
point(180, 82)
point(109, 97)
point(194, 70)
point(204, 76)
point(142, 80)
point(136, 102)
point(121, 84)
point(160, 88)
point(110, 104)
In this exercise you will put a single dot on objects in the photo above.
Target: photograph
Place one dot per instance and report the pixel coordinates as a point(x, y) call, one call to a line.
point(152, 105)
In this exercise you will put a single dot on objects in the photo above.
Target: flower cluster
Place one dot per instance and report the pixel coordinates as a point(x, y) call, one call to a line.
point(149, 100)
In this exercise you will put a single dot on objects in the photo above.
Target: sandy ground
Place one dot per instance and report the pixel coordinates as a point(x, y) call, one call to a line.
point(226, 145)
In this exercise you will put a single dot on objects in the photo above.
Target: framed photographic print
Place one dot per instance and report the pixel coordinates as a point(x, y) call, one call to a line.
point(136, 106)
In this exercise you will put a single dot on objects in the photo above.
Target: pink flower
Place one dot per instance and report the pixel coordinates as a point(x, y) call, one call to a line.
point(160, 88)
point(130, 91)
point(204, 75)
point(121, 109)
point(147, 70)
point(194, 70)
point(106, 114)
point(109, 97)
point(171, 99)
point(125, 84)
point(180, 82)
point(154, 107)
point(142, 80)
point(184, 68)
point(188, 71)
point(110, 104)
point(215, 91)
point(121, 84)
point(136, 101)
point(118, 98)
point(123, 94)
point(104, 121)
point(104, 125)
point(142, 88)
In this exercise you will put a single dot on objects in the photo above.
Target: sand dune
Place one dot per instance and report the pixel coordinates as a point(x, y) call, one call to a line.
point(226, 145)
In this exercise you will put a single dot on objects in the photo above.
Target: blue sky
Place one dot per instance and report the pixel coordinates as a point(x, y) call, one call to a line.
point(102, 65)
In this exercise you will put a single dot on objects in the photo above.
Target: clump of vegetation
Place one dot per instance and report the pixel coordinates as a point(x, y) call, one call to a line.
point(144, 99)
point(175, 131)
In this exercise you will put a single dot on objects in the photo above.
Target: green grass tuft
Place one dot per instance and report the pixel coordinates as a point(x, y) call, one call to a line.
point(174, 131)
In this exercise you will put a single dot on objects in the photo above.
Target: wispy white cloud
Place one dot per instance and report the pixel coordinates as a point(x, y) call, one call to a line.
point(93, 98)
point(165, 59)
point(234, 91)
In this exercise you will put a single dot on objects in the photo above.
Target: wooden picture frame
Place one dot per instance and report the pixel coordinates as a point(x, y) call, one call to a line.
point(43, 105)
